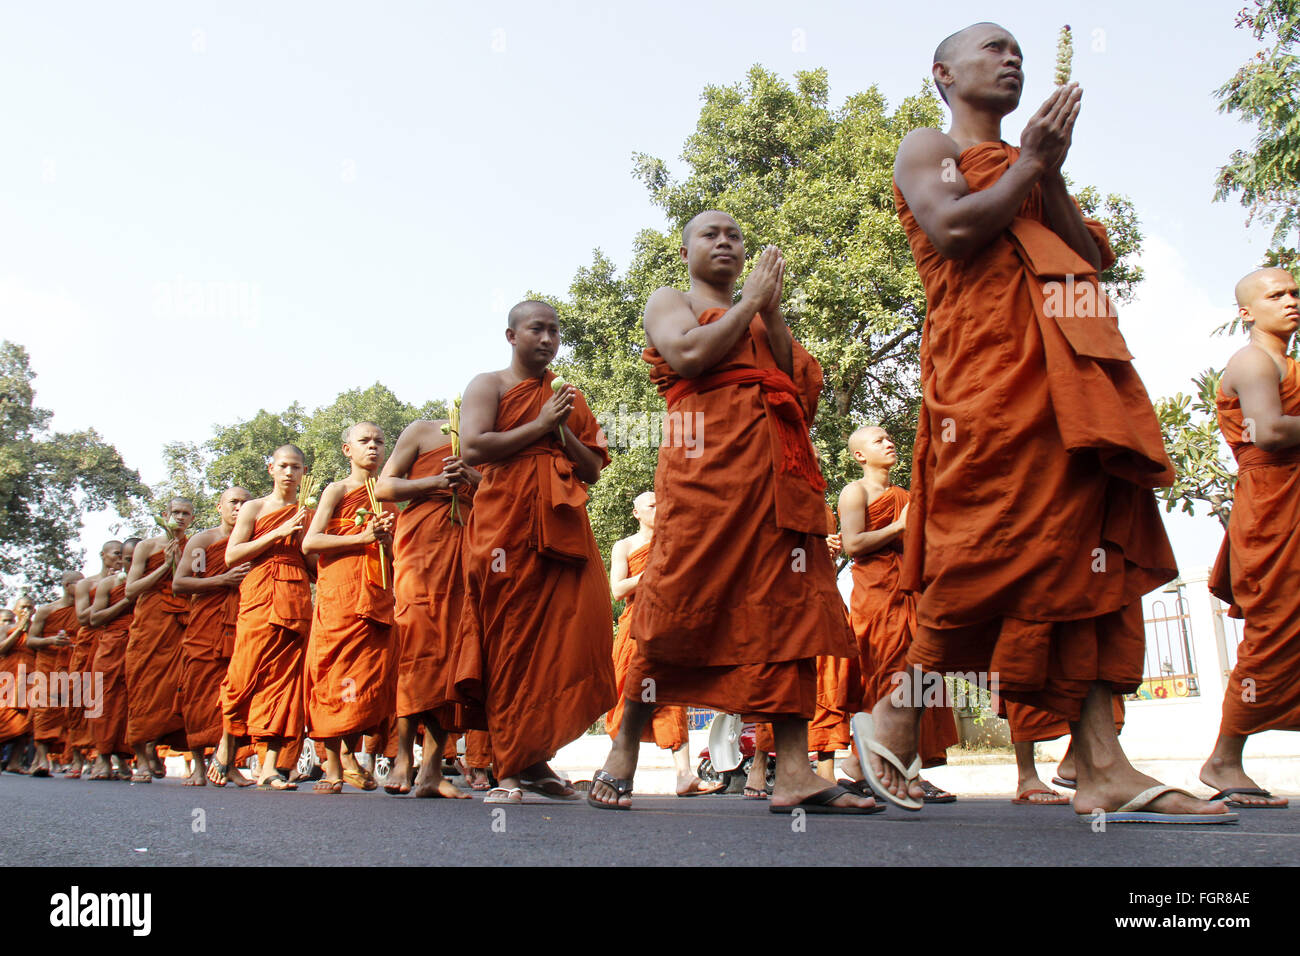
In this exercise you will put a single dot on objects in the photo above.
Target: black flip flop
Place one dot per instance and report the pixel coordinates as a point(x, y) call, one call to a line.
point(622, 788)
point(934, 795)
point(1248, 792)
point(820, 802)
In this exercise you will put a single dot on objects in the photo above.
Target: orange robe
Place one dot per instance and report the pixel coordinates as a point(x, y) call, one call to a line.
point(261, 696)
point(206, 648)
point(81, 663)
point(1258, 572)
point(739, 596)
point(829, 728)
point(108, 730)
point(478, 749)
point(350, 677)
point(429, 590)
point(884, 622)
point(153, 663)
point(535, 631)
point(49, 715)
point(1034, 530)
point(17, 664)
point(667, 728)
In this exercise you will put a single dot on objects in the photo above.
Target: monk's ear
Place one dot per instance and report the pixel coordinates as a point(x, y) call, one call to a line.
point(942, 79)
point(686, 256)
point(510, 335)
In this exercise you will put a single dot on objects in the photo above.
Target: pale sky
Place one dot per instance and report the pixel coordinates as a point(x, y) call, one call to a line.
point(360, 191)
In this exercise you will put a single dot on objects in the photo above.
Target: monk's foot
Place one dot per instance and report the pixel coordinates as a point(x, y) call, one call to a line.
point(693, 786)
point(399, 778)
point(895, 730)
point(155, 764)
point(1220, 775)
point(1031, 790)
point(274, 781)
point(621, 765)
point(477, 778)
point(238, 779)
point(1110, 790)
point(851, 768)
point(795, 786)
point(1065, 769)
point(442, 787)
point(196, 779)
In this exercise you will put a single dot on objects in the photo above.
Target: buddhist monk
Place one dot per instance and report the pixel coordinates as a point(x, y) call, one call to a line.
point(1259, 566)
point(828, 731)
point(738, 598)
point(873, 515)
point(153, 649)
point(350, 674)
point(668, 728)
point(478, 760)
point(111, 613)
point(83, 650)
point(16, 663)
point(213, 592)
point(51, 636)
point(535, 635)
point(262, 695)
point(428, 591)
point(1033, 529)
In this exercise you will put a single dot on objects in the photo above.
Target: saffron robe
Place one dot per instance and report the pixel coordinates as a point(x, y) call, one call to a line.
point(350, 677)
point(1258, 572)
point(738, 598)
point(261, 696)
point(667, 728)
point(153, 663)
point(108, 730)
point(206, 648)
point(1034, 530)
point(49, 715)
point(535, 629)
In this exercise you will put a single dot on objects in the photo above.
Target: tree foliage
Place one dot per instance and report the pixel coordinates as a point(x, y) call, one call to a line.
point(1265, 91)
point(1191, 433)
point(47, 480)
point(817, 181)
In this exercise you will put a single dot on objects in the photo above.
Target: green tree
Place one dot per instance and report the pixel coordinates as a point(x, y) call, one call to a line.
point(1265, 91)
point(1191, 433)
point(47, 480)
point(818, 182)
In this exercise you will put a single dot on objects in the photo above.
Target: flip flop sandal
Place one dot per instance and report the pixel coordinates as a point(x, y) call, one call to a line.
point(753, 793)
point(820, 802)
point(698, 789)
point(540, 787)
point(1066, 783)
point(142, 777)
point(327, 786)
point(359, 780)
point(621, 788)
point(860, 787)
point(40, 772)
point(222, 770)
point(1248, 792)
point(1135, 811)
point(935, 795)
point(1057, 799)
point(512, 795)
point(271, 782)
point(864, 735)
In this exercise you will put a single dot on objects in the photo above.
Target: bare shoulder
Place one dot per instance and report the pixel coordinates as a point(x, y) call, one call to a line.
point(1249, 365)
point(204, 538)
point(668, 309)
point(485, 384)
point(924, 144)
point(853, 496)
point(251, 510)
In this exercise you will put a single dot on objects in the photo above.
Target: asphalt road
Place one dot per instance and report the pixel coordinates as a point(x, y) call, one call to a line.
point(60, 822)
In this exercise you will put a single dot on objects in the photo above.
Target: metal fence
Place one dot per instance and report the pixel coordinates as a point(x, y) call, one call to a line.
point(1170, 668)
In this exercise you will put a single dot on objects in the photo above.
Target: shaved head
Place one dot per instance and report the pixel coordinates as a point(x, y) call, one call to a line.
point(182, 500)
point(235, 492)
point(289, 449)
point(526, 308)
point(1250, 286)
point(951, 47)
point(859, 439)
point(699, 218)
point(347, 432)
point(643, 500)
point(70, 577)
point(109, 546)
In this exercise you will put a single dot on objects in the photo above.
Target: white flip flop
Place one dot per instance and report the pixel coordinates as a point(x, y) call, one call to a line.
point(864, 736)
point(1135, 811)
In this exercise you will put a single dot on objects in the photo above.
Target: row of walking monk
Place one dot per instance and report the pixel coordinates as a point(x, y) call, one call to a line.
point(1029, 536)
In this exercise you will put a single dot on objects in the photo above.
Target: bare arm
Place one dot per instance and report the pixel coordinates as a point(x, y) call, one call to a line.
point(478, 413)
point(958, 222)
point(1254, 378)
point(187, 579)
point(36, 638)
point(692, 349)
point(317, 541)
point(81, 596)
point(101, 611)
point(241, 546)
point(394, 485)
point(856, 539)
point(139, 582)
point(620, 583)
